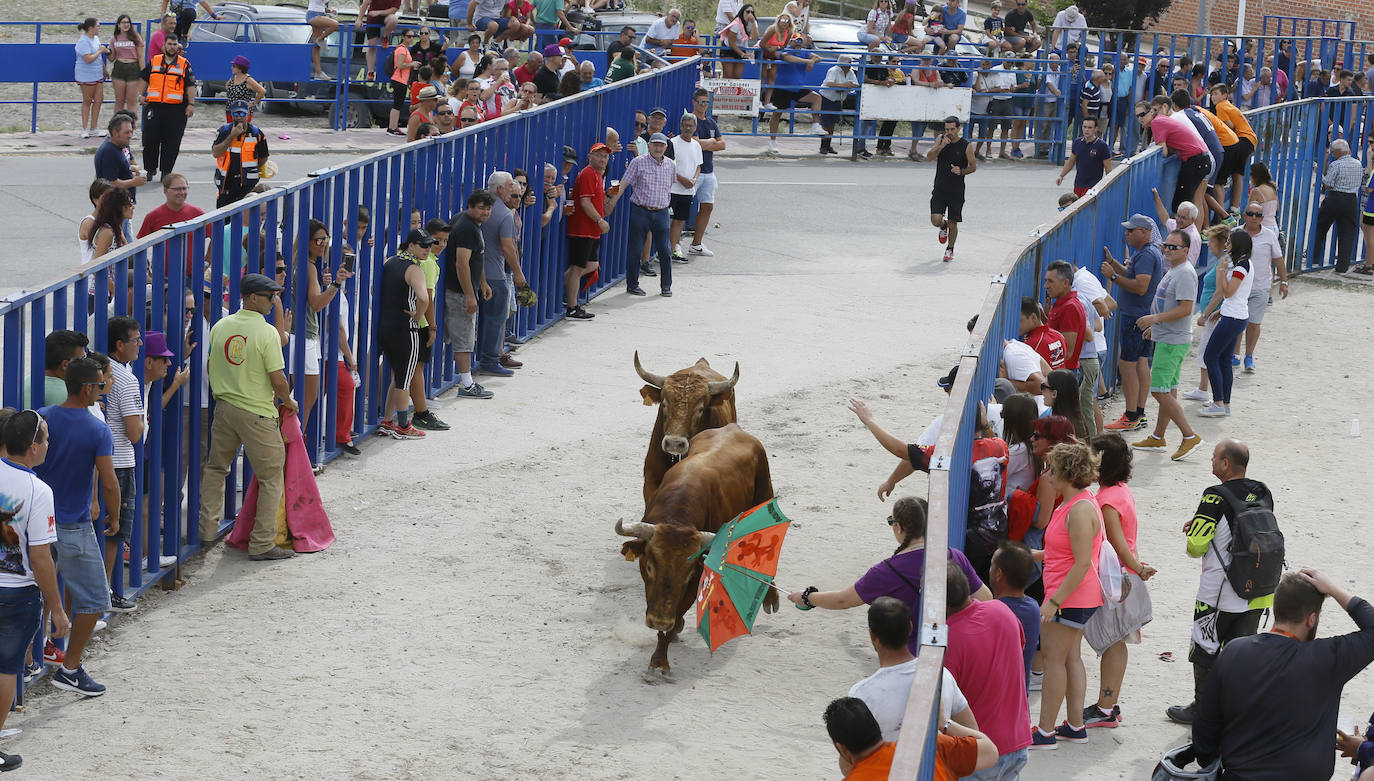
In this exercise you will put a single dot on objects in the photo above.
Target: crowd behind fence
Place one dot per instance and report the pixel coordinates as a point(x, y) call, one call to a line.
point(1293, 140)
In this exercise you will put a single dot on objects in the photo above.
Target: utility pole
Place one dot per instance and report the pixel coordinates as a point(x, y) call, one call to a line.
point(1199, 52)
point(1240, 19)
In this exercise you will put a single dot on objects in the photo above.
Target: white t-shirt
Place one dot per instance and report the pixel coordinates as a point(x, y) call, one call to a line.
point(886, 691)
point(687, 158)
point(839, 74)
point(1020, 469)
point(1021, 360)
point(124, 399)
point(1089, 289)
point(1264, 251)
point(1237, 305)
point(660, 31)
point(20, 489)
point(932, 432)
point(725, 12)
point(1067, 32)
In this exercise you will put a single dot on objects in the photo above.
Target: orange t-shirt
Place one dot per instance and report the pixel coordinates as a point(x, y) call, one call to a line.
point(1227, 111)
point(955, 757)
point(1225, 135)
point(685, 46)
point(875, 766)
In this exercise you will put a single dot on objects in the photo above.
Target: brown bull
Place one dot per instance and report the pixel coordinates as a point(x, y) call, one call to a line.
point(689, 401)
point(724, 474)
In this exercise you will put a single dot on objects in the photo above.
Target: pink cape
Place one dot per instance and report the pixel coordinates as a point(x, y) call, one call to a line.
point(306, 519)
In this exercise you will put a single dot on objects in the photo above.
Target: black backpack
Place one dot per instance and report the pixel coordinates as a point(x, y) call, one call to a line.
point(389, 64)
point(1256, 546)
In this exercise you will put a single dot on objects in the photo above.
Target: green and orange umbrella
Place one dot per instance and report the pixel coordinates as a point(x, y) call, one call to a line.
point(738, 571)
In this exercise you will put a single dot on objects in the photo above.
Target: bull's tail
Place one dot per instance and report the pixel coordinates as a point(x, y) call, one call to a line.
point(763, 479)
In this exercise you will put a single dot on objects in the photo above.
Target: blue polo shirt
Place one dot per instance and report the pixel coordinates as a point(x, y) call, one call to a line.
point(75, 439)
point(1145, 260)
point(707, 128)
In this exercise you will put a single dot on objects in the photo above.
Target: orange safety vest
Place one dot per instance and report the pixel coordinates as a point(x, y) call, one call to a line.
point(167, 84)
point(247, 148)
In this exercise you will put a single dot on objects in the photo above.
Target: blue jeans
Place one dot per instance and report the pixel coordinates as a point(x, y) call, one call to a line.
point(1008, 768)
point(81, 563)
point(1217, 356)
point(491, 323)
point(651, 223)
point(21, 609)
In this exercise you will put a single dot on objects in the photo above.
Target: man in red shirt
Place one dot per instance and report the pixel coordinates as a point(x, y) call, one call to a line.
point(1046, 341)
point(175, 209)
point(985, 652)
point(527, 71)
point(586, 225)
point(1067, 316)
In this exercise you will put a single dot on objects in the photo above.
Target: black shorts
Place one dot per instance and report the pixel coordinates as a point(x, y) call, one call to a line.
point(726, 53)
point(786, 98)
point(680, 206)
point(374, 30)
point(1367, 219)
point(185, 17)
point(401, 349)
point(1234, 160)
point(947, 202)
point(400, 94)
point(582, 250)
point(423, 355)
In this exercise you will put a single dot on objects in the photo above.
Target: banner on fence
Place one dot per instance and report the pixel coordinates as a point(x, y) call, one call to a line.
point(917, 104)
point(733, 97)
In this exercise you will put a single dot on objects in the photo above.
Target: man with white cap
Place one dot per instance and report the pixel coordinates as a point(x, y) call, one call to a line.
point(1069, 27)
point(837, 94)
point(649, 180)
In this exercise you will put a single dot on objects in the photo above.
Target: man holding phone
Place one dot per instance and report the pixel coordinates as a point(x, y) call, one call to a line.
point(240, 151)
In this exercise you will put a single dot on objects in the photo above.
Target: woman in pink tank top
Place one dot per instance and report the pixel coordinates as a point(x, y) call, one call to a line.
point(1072, 593)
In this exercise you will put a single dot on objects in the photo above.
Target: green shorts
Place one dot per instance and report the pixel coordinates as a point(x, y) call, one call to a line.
point(1167, 366)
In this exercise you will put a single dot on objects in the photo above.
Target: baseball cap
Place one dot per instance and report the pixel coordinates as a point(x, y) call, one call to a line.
point(846, 59)
point(659, 110)
point(418, 236)
point(565, 41)
point(553, 50)
point(569, 153)
point(658, 138)
point(241, 61)
point(1139, 221)
point(239, 108)
point(1001, 389)
point(257, 283)
point(155, 345)
point(598, 147)
point(947, 381)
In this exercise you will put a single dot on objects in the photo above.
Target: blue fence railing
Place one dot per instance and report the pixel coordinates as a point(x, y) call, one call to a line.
point(1293, 138)
point(206, 258)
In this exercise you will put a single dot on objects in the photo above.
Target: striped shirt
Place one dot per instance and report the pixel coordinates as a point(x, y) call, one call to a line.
point(123, 400)
point(1344, 175)
point(650, 181)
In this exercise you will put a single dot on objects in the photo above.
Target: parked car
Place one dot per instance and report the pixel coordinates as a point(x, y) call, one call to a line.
point(249, 23)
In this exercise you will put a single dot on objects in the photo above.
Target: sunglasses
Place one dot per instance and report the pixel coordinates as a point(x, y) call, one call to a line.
point(443, 113)
point(1141, 115)
point(1171, 246)
point(190, 310)
point(38, 422)
point(1036, 436)
point(100, 385)
point(1045, 386)
point(891, 520)
point(321, 239)
point(281, 269)
point(641, 124)
point(1254, 214)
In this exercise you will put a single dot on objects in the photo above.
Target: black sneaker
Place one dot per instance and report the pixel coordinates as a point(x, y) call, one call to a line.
point(9, 762)
point(351, 449)
point(578, 313)
point(76, 681)
point(1094, 717)
point(647, 270)
point(867, 155)
point(828, 150)
point(428, 422)
point(121, 605)
point(636, 291)
point(1180, 714)
point(678, 257)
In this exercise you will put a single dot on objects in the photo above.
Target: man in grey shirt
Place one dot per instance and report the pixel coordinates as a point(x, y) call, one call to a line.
point(1169, 326)
point(501, 252)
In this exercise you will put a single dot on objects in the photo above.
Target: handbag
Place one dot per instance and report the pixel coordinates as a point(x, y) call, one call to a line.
point(1111, 623)
point(1172, 766)
point(1109, 571)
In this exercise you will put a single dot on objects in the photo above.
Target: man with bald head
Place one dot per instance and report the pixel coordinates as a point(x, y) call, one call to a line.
point(1219, 614)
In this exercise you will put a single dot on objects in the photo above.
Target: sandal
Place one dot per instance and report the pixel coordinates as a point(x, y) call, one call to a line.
point(1369, 272)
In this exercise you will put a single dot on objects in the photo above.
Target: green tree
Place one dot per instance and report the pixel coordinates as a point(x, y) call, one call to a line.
point(1121, 14)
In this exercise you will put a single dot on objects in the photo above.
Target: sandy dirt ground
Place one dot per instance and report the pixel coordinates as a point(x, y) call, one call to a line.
point(475, 621)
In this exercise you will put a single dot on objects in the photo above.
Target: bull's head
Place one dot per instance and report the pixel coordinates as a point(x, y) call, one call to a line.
point(663, 551)
point(685, 398)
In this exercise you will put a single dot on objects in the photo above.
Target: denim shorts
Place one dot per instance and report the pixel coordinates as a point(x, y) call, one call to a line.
point(81, 563)
point(20, 611)
point(1134, 345)
point(1075, 617)
point(125, 477)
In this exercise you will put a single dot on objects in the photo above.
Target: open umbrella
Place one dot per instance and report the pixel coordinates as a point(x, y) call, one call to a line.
point(738, 571)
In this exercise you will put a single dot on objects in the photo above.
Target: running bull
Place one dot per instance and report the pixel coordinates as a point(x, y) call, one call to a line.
point(724, 473)
point(689, 401)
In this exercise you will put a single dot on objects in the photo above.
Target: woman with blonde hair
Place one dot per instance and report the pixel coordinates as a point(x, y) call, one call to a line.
point(1072, 593)
point(774, 39)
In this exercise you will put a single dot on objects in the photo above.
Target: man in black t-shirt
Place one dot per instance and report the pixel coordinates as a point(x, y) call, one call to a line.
point(1021, 28)
point(464, 281)
point(546, 80)
point(627, 38)
point(954, 161)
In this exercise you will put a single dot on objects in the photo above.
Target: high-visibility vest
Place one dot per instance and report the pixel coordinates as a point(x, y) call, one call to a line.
point(167, 84)
point(246, 147)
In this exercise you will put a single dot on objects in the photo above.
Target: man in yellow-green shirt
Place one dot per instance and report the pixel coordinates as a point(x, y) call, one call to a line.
point(246, 376)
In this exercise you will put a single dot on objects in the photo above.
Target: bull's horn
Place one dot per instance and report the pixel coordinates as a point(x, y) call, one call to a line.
point(644, 531)
point(706, 538)
point(655, 380)
point(717, 387)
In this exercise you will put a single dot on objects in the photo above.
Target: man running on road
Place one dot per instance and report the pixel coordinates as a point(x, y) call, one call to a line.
point(955, 161)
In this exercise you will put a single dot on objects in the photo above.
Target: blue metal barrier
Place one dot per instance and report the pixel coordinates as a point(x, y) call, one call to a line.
point(1293, 139)
point(434, 175)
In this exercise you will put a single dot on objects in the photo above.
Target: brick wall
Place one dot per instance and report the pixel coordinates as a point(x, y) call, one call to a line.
point(1181, 17)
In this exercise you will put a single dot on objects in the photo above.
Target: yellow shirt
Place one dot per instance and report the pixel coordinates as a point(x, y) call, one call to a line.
point(244, 350)
point(430, 265)
point(1227, 111)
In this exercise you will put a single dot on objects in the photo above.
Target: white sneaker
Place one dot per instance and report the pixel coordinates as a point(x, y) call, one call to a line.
point(1214, 411)
point(817, 130)
point(772, 147)
point(85, 133)
point(768, 107)
point(99, 625)
point(1198, 394)
point(1036, 681)
point(166, 561)
point(700, 249)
